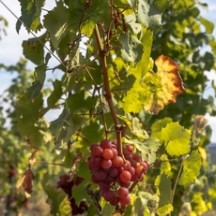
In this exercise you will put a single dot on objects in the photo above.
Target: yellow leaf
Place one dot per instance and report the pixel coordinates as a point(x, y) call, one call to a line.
point(153, 90)
point(167, 82)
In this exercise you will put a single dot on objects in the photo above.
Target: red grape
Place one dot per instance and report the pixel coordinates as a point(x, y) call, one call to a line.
point(139, 170)
point(105, 144)
point(97, 151)
point(109, 195)
point(125, 200)
point(106, 164)
point(129, 148)
point(115, 152)
point(122, 192)
point(118, 161)
point(125, 176)
point(127, 164)
point(100, 175)
point(112, 173)
point(107, 154)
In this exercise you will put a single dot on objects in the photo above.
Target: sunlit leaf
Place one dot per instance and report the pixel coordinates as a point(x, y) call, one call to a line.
point(30, 14)
point(131, 48)
point(108, 209)
point(164, 186)
point(57, 24)
point(176, 139)
point(166, 86)
point(191, 167)
point(149, 15)
point(147, 148)
point(88, 27)
point(209, 26)
point(161, 5)
point(165, 210)
point(158, 125)
point(154, 90)
point(58, 200)
point(135, 126)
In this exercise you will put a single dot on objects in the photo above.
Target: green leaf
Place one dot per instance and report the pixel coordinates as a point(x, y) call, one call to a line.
point(208, 60)
point(30, 14)
point(56, 24)
point(153, 90)
point(57, 127)
point(93, 132)
point(79, 193)
point(121, 3)
point(165, 210)
point(35, 89)
point(83, 171)
point(28, 113)
point(164, 185)
point(59, 203)
point(33, 49)
point(149, 15)
point(79, 101)
point(176, 139)
point(55, 94)
point(147, 148)
point(88, 27)
point(135, 126)
point(209, 26)
point(158, 125)
point(191, 167)
point(161, 5)
point(98, 10)
point(133, 100)
point(108, 209)
point(131, 48)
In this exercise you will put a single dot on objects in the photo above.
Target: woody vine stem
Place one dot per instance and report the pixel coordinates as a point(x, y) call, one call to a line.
point(108, 95)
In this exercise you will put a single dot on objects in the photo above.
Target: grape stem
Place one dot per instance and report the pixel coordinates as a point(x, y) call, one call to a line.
point(176, 182)
point(108, 95)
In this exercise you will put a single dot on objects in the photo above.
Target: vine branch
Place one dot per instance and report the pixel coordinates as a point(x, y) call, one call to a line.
point(108, 95)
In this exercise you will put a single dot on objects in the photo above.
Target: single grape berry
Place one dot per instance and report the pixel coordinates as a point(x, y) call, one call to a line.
point(97, 151)
point(118, 161)
point(107, 154)
point(100, 175)
point(139, 170)
point(125, 200)
point(113, 172)
point(105, 144)
point(122, 192)
point(125, 176)
point(129, 148)
point(106, 164)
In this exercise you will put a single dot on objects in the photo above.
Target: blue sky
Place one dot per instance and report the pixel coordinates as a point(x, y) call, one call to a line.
point(11, 48)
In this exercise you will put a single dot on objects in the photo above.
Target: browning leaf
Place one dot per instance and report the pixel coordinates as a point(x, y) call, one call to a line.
point(26, 182)
point(154, 90)
point(168, 84)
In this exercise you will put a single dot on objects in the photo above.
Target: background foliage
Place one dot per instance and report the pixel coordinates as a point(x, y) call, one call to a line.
point(36, 153)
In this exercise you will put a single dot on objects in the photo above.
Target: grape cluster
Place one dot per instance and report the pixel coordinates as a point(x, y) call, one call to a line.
point(113, 173)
